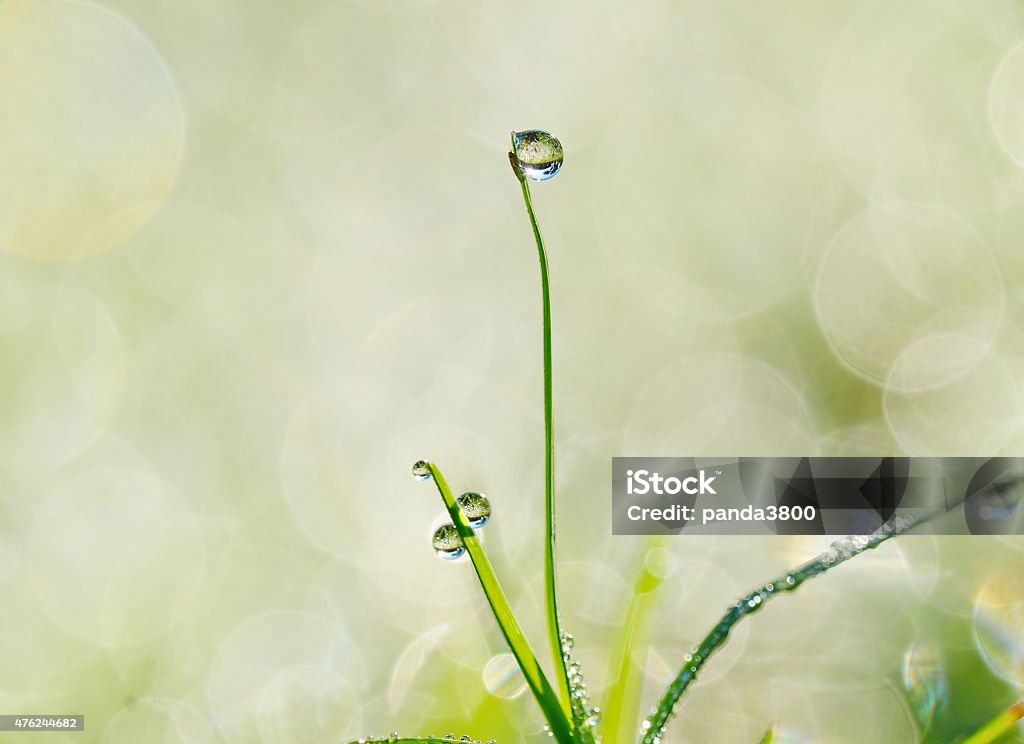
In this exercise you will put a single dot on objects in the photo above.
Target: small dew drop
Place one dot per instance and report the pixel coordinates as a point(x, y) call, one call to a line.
point(448, 543)
point(421, 470)
point(538, 153)
point(476, 508)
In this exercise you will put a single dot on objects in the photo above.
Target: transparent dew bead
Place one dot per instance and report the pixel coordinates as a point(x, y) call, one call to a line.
point(448, 543)
point(475, 508)
point(421, 470)
point(538, 154)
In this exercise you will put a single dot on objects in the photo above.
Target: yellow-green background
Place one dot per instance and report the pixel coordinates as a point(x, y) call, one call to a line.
point(257, 257)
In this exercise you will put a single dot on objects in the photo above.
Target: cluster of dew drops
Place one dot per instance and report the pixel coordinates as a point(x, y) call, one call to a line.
point(475, 507)
point(586, 717)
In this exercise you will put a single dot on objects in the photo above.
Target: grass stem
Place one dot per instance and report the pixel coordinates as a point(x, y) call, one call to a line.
point(554, 621)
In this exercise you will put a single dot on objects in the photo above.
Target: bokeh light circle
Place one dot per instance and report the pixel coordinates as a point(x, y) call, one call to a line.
point(285, 676)
point(999, 627)
point(973, 415)
point(698, 202)
point(1006, 104)
point(91, 129)
point(115, 556)
point(503, 678)
point(898, 273)
point(714, 403)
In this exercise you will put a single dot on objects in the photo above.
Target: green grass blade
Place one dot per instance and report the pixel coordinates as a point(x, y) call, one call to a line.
point(621, 705)
point(561, 726)
point(554, 620)
point(840, 552)
point(769, 735)
point(998, 726)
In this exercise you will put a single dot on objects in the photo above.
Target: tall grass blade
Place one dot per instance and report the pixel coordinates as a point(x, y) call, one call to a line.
point(561, 726)
point(554, 620)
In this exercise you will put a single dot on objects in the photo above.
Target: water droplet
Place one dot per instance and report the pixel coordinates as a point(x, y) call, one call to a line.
point(538, 153)
point(475, 508)
point(448, 542)
point(421, 470)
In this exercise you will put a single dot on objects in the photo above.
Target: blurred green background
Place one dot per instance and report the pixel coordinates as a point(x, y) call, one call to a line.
point(257, 257)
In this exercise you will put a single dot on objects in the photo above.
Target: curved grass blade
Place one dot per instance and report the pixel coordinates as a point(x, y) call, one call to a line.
point(621, 704)
point(554, 620)
point(1002, 724)
point(840, 552)
point(769, 735)
point(561, 727)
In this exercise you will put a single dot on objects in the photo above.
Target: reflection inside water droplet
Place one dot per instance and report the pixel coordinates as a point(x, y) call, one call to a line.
point(476, 508)
point(448, 543)
point(538, 153)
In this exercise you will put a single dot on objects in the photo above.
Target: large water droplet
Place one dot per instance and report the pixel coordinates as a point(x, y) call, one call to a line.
point(448, 542)
point(475, 508)
point(421, 470)
point(538, 153)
